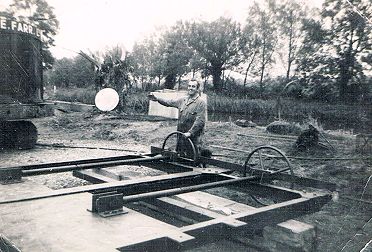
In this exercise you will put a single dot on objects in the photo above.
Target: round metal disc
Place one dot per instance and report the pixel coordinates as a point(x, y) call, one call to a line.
point(106, 99)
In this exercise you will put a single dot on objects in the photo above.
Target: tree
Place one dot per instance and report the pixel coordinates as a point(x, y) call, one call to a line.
point(82, 72)
point(263, 21)
point(147, 60)
point(290, 15)
point(76, 72)
point(175, 53)
point(249, 48)
point(336, 50)
point(140, 60)
point(60, 74)
point(218, 43)
point(350, 36)
point(39, 14)
point(196, 63)
point(116, 69)
point(315, 69)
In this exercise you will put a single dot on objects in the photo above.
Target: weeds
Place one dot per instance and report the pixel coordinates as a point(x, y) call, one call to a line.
point(83, 95)
point(137, 102)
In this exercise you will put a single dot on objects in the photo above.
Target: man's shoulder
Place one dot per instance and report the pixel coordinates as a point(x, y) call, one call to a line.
point(200, 99)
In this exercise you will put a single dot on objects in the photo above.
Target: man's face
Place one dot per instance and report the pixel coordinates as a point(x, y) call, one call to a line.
point(192, 88)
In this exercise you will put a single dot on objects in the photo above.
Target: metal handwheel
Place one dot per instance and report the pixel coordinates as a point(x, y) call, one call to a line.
point(262, 159)
point(195, 154)
point(269, 159)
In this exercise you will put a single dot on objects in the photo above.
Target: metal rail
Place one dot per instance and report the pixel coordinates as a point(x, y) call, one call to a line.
point(67, 168)
point(156, 191)
point(77, 162)
point(186, 189)
point(13, 174)
point(151, 184)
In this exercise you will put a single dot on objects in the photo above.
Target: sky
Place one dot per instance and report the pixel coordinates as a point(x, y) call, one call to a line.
point(92, 25)
point(96, 24)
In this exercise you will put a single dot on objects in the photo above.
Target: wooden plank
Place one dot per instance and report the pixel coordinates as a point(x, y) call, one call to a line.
point(222, 206)
point(258, 218)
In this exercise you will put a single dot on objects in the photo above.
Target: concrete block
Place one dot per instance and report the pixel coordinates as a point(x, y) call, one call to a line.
point(290, 235)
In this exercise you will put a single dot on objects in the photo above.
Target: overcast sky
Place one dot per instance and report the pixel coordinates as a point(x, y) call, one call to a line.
point(95, 24)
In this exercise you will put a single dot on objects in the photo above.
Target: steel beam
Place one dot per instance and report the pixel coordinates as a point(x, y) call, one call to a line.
point(129, 187)
point(243, 223)
point(67, 168)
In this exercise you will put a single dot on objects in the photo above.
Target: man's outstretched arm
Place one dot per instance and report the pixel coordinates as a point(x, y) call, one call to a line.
point(165, 102)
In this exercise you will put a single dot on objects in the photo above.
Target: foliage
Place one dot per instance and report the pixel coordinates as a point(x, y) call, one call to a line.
point(115, 69)
point(337, 49)
point(76, 72)
point(244, 106)
point(289, 15)
point(146, 60)
point(330, 53)
point(248, 49)
point(176, 54)
point(83, 95)
point(263, 21)
point(218, 42)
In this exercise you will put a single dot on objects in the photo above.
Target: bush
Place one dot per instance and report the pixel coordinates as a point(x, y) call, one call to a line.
point(83, 95)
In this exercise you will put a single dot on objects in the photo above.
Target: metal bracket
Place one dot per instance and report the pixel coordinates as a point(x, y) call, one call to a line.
point(172, 156)
point(108, 204)
point(10, 176)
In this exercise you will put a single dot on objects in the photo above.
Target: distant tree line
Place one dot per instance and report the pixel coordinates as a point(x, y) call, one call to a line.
point(322, 54)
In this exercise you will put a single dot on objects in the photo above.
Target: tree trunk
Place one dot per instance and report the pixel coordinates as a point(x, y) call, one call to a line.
point(261, 79)
point(345, 76)
point(346, 71)
point(263, 65)
point(216, 74)
point(249, 66)
point(159, 79)
point(170, 81)
point(290, 48)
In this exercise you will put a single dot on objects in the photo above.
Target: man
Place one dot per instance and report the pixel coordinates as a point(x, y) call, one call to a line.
point(192, 115)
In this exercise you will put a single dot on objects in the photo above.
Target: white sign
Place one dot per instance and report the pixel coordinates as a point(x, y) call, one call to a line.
point(15, 26)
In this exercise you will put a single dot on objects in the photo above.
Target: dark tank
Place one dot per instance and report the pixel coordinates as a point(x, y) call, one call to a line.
point(21, 83)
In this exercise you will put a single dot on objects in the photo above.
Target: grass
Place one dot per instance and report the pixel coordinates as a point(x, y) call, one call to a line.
point(83, 95)
point(289, 108)
point(137, 102)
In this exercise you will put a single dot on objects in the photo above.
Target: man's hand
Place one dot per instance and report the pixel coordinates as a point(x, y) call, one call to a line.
point(187, 134)
point(152, 97)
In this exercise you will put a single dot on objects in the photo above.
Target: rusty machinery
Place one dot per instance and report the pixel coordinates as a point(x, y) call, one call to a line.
point(115, 220)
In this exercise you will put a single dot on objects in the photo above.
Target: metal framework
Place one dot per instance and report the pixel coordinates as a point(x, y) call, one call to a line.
point(112, 196)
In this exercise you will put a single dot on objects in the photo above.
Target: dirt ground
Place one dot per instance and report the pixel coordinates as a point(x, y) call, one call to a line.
point(344, 224)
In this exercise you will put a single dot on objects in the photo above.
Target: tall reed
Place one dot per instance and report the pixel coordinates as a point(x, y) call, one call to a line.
point(138, 102)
